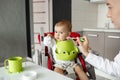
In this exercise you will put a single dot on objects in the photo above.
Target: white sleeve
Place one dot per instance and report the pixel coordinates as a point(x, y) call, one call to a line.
point(48, 41)
point(110, 67)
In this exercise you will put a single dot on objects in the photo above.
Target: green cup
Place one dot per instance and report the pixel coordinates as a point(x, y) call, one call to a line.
point(13, 64)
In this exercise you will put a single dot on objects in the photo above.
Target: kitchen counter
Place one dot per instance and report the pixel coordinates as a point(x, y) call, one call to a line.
point(42, 73)
point(100, 75)
point(101, 30)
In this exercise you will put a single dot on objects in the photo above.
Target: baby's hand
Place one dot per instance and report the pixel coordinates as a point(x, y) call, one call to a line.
point(50, 35)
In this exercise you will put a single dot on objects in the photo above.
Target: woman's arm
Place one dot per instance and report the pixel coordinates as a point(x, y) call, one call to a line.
point(105, 65)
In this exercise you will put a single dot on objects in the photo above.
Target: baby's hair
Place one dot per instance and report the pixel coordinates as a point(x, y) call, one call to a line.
point(65, 23)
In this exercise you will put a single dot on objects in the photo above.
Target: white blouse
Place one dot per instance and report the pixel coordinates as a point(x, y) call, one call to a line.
point(105, 65)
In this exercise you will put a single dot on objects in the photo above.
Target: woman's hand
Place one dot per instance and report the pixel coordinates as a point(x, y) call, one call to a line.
point(83, 45)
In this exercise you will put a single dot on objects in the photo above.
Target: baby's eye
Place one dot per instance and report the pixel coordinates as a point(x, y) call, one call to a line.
point(109, 7)
point(61, 32)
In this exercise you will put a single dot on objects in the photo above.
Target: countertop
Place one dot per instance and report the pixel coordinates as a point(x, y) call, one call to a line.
point(101, 30)
point(42, 73)
point(100, 75)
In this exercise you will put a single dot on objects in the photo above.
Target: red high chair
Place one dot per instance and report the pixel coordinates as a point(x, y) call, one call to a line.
point(86, 67)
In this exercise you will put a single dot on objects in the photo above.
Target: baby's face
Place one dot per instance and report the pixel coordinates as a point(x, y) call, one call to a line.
point(61, 33)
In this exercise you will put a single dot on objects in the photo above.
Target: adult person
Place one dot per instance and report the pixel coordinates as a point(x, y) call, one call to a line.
point(110, 67)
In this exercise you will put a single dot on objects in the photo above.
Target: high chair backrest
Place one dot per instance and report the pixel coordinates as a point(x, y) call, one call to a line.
point(72, 35)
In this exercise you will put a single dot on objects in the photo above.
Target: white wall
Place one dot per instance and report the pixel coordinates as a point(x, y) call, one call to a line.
point(102, 16)
point(89, 15)
point(40, 19)
point(84, 15)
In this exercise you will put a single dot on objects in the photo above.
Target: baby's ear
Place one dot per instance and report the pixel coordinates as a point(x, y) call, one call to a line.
point(69, 33)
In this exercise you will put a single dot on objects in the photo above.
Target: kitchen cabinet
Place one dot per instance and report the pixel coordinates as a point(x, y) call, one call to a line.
point(97, 1)
point(112, 44)
point(106, 44)
point(80, 8)
point(96, 41)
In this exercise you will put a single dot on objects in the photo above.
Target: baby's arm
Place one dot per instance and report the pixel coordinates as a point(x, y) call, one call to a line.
point(49, 40)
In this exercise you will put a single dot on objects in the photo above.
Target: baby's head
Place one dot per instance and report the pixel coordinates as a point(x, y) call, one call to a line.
point(62, 30)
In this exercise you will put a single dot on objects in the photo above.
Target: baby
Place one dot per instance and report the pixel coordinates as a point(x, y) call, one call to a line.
point(64, 50)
